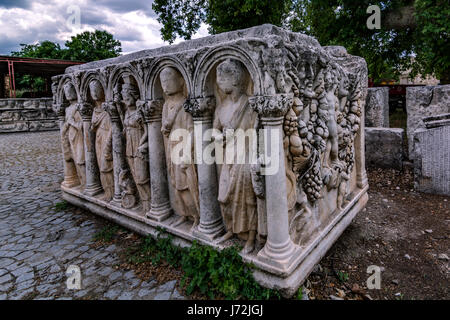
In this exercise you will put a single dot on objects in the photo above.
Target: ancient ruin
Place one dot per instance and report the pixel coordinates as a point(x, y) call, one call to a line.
point(285, 199)
point(19, 115)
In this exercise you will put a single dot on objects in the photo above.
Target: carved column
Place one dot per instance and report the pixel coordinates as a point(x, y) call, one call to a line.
point(117, 146)
point(211, 224)
point(159, 186)
point(93, 186)
point(279, 249)
point(70, 171)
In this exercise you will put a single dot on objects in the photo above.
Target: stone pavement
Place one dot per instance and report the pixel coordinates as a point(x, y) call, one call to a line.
point(39, 242)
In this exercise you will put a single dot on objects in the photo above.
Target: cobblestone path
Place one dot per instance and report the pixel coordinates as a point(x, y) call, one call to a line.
point(39, 242)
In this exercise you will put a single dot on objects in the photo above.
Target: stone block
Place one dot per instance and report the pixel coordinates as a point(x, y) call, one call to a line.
point(424, 102)
point(18, 115)
point(384, 147)
point(377, 107)
point(432, 156)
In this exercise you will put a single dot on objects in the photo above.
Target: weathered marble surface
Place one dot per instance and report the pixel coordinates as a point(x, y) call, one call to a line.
point(285, 199)
point(377, 107)
point(384, 147)
point(424, 102)
point(18, 115)
point(432, 155)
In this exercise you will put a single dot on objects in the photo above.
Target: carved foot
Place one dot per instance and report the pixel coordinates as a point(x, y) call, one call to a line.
point(225, 237)
point(249, 246)
point(196, 222)
point(179, 221)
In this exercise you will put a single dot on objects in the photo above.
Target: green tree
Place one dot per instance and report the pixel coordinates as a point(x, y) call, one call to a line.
point(414, 33)
point(182, 18)
point(44, 50)
point(91, 46)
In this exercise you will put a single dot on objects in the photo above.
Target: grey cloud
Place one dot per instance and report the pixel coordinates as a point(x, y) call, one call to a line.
point(15, 4)
point(130, 5)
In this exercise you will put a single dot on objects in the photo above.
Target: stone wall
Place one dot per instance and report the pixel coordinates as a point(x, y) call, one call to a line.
point(300, 181)
point(432, 155)
point(18, 115)
point(424, 102)
point(377, 107)
point(384, 147)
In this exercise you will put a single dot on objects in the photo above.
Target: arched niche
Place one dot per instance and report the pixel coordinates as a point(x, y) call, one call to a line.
point(152, 82)
point(86, 79)
point(205, 73)
point(116, 80)
point(60, 96)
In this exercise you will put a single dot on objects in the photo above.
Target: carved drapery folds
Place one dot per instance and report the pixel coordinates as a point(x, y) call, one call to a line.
point(296, 105)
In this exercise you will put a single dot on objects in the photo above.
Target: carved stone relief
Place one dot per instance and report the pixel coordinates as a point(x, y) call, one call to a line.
point(183, 177)
point(298, 101)
point(136, 141)
point(101, 125)
point(72, 133)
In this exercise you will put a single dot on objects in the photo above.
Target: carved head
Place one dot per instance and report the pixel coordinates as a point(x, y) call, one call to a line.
point(69, 91)
point(171, 81)
point(328, 80)
point(230, 76)
point(96, 90)
point(130, 92)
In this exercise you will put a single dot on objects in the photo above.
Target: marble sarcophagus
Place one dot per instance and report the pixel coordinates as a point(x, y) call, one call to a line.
point(254, 137)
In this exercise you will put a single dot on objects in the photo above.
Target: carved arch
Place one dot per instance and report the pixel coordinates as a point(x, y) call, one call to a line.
point(217, 55)
point(117, 73)
point(60, 90)
point(87, 78)
point(154, 70)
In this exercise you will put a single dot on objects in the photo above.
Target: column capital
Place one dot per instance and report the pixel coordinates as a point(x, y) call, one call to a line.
point(85, 110)
point(111, 108)
point(201, 107)
point(151, 109)
point(271, 106)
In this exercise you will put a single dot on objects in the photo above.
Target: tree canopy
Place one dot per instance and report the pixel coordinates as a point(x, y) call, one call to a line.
point(86, 46)
point(414, 34)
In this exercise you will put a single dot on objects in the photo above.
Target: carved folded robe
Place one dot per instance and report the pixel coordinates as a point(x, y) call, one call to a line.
point(236, 195)
point(134, 130)
point(101, 123)
point(75, 134)
point(183, 177)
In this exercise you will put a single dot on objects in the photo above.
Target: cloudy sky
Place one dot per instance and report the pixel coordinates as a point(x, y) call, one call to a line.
point(133, 22)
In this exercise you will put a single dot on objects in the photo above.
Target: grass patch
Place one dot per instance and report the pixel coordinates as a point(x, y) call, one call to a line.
point(61, 206)
point(207, 271)
point(107, 234)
